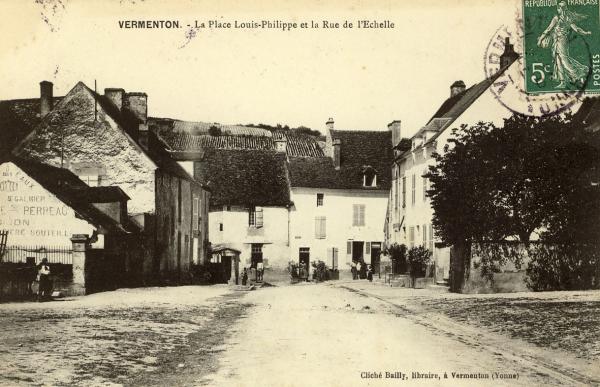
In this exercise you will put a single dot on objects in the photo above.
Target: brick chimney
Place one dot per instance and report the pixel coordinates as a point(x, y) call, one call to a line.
point(509, 55)
point(329, 124)
point(46, 97)
point(394, 127)
point(281, 145)
point(137, 104)
point(337, 149)
point(115, 96)
point(457, 88)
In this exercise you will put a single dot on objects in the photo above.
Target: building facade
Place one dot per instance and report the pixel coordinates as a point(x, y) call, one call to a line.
point(409, 218)
point(104, 140)
point(340, 199)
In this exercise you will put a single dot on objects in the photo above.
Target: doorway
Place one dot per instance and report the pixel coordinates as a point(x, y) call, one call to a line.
point(256, 254)
point(376, 257)
point(357, 251)
point(303, 263)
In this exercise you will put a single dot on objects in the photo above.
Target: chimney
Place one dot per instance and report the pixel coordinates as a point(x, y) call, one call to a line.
point(46, 98)
point(137, 104)
point(509, 55)
point(115, 96)
point(281, 145)
point(337, 145)
point(457, 88)
point(329, 124)
point(394, 127)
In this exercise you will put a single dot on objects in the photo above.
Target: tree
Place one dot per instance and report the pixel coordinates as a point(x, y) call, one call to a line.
point(532, 175)
point(494, 183)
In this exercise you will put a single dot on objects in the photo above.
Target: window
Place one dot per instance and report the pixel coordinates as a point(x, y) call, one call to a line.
point(179, 210)
point(403, 191)
point(431, 237)
point(332, 253)
point(368, 248)
point(255, 217)
point(220, 226)
point(411, 237)
point(320, 227)
point(195, 207)
point(397, 194)
point(424, 188)
point(414, 183)
point(320, 200)
point(369, 177)
point(358, 215)
point(425, 235)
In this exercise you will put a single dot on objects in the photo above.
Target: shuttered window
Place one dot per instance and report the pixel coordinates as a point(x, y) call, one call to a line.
point(403, 191)
point(255, 217)
point(424, 188)
point(411, 237)
point(367, 248)
point(358, 215)
point(414, 190)
point(195, 212)
point(320, 227)
point(425, 235)
point(431, 237)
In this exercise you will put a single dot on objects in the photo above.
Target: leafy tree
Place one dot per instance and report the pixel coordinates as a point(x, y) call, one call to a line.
point(532, 175)
point(494, 183)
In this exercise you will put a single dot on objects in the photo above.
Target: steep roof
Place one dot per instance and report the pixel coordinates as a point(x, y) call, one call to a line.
point(18, 117)
point(245, 177)
point(69, 189)
point(124, 119)
point(358, 150)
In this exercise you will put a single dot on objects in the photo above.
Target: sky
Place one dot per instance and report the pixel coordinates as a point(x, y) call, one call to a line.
point(363, 78)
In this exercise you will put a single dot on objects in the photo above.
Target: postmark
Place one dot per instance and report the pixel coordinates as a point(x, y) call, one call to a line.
point(508, 84)
point(561, 40)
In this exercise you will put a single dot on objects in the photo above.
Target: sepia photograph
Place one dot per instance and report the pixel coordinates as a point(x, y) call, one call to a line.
point(300, 193)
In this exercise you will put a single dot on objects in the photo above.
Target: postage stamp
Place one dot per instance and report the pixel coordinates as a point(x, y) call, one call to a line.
point(561, 45)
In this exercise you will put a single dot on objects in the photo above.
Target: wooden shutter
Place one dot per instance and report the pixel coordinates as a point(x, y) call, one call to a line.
point(368, 248)
point(362, 215)
point(335, 258)
point(355, 214)
point(259, 217)
point(349, 251)
point(425, 235)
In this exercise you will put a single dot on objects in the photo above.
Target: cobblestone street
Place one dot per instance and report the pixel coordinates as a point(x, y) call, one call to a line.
point(340, 333)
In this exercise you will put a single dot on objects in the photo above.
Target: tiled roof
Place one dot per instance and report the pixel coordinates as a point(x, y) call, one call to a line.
point(107, 194)
point(68, 188)
point(200, 128)
point(245, 177)
point(297, 144)
point(18, 118)
point(359, 149)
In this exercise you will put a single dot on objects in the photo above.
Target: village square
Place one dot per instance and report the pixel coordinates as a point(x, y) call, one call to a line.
point(141, 246)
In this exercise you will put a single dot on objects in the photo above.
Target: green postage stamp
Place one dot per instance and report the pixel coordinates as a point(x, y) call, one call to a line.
point(562, 45)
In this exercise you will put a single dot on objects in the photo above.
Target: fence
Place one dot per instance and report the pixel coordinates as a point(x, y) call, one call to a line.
point(54, 254)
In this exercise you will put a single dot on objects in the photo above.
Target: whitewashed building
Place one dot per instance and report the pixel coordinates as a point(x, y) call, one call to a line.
point(340, 198)
point(409, 219)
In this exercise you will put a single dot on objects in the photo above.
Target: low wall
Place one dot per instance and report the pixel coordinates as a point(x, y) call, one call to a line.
point(508, 278)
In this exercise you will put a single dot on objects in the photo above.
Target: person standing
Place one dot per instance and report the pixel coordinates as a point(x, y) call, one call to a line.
point(260, 269)
point(44, 281)
point(359, 269)
point(244, 277)
point(353, 269)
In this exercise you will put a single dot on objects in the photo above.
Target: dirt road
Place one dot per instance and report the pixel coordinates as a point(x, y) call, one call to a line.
point(331, 335)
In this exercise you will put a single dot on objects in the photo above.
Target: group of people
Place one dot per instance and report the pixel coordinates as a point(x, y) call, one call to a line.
point(360, 270)
point(260, 271)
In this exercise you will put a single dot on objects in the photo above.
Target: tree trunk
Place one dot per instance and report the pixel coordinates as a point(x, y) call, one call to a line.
point(460, 264)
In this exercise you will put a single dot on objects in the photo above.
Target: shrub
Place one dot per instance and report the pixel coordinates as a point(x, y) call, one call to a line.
point(320, 272)
point(293, 269)
point(214, 131)
point(418, 259)
point(563, 267)
point(397, 254)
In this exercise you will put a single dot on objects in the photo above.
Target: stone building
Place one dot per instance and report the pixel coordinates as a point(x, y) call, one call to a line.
point(340, 199)
point(104, 140)
point(409, 217)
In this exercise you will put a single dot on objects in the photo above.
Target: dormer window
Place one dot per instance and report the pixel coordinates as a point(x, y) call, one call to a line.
point(369, 177)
